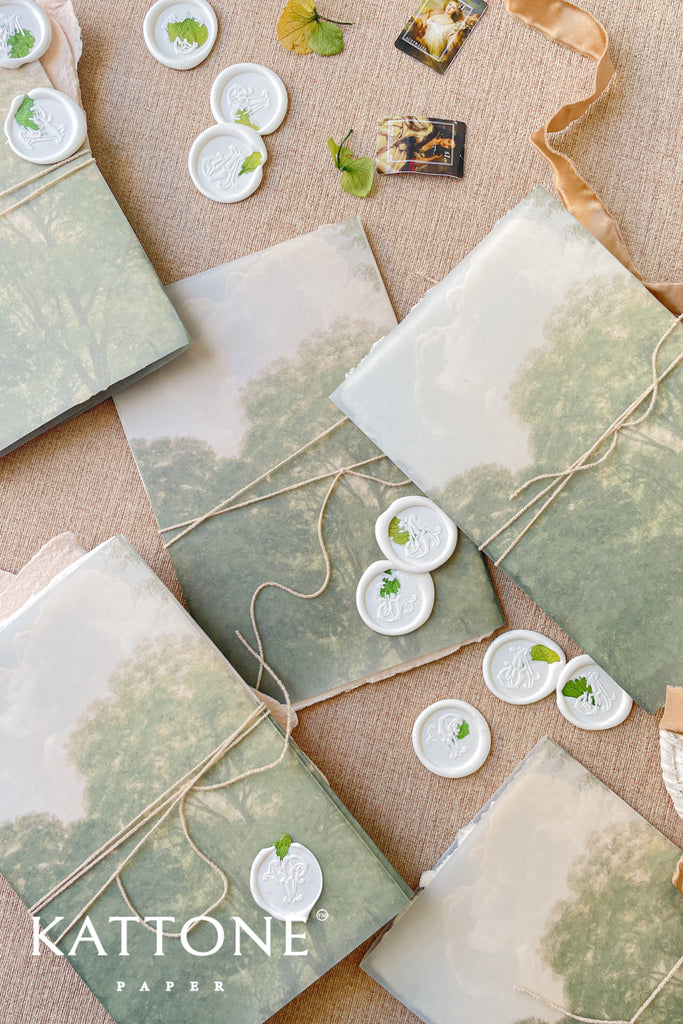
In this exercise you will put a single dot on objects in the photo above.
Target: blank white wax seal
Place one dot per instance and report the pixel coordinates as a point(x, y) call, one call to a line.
point(522, 666)
point(589, 698)
point(393, 601)
point(415, 534)
point(45, 126)
point(25, 32)
point(226, 162)
point(180, 34)
point(289, 887)
point(451, 738)
point(251, 95)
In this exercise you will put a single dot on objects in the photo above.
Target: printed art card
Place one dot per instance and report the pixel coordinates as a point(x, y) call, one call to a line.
point(437, 30)
point(507, 374)
point(557, 887)
point(246, 416)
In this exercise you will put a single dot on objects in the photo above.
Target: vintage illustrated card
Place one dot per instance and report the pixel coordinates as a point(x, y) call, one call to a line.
point(438, 29)
point(420, 144)
point(244, 426)
point(529, 412)
point(556, 887)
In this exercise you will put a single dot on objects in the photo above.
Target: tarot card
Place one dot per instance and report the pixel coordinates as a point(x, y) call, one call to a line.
point(426, 145)
point(438, 29)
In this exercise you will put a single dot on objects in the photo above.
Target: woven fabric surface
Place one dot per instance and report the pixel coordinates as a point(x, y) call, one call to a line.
point(80, 476)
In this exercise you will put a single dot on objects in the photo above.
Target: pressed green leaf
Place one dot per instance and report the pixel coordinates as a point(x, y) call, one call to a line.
point(398, 535)
point(463, 730)
point(390, 585)
point(282, 845)
point(357, 176)
point(251, 163)
point(325, 38)
point(576, 687)
point(25, 115)
point(340, 156)
point(539, 652)
point(242, 117)
point(189, 30)
point(21, 43)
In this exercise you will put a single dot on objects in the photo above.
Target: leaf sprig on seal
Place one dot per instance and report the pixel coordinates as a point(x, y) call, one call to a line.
point(282, 845)
point(300, 28)
point(356, 175)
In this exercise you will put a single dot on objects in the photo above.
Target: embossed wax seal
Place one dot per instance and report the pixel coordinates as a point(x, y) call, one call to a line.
point(522, 666)
point(393, 601)
point(226, 162)
point(286, 886)
point(451, 738)
point(180, 34)
point(589, 698)
point(415, 534)
point(251, 95)
point(25, 32)
point(45, 126)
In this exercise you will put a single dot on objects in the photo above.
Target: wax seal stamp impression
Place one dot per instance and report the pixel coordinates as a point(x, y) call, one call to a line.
point(45, 126)
point(25, 32)
point(286, 880)
point(522, 666)
point(415, 534)
point(393, 601)
point(589, 698)
point(251, 95)
point(226, 162)
point(180, 35)
point(451, 738)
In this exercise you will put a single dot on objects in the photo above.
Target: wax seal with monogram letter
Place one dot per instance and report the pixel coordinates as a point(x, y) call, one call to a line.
point(451, 738)
point(286, 880)
point(251, 95)
point(415, 534)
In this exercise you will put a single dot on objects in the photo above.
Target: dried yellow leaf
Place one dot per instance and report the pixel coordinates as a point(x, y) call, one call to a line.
point(294, 25)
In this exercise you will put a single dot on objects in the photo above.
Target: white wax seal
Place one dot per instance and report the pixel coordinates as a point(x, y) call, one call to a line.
point(226, 162)
point(251, 95)
point(415, 534)
point(180, 34)
point(286, 887)
point(45, 126)
point(522, 666)
point(589, 698)
point(25, 32)
point(393, 601)
point(451, 738)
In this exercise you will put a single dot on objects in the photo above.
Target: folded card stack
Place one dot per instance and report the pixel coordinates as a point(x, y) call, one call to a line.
point(505, 376)
point(109, 695)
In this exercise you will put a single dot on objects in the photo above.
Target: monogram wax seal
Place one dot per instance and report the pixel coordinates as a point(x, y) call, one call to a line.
point(521, 666)
point(45, 126)
point(415, 534)
point(286, 880)
point(589, 698)
point(25, 32)
point(180, 34)
point(226, 161)
point(393, 601)
point(251, 95)
point(451, 738)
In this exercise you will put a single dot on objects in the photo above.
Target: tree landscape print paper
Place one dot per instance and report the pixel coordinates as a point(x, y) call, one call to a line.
point(557, 886)
point(109, 693)
point(272, 334)
point(513, 366)
point(82, 310)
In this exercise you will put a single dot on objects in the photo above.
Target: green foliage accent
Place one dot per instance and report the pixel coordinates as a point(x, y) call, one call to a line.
point(463, 730)
point(390, 585)
point(21, 43)
point(189, 31)
point(242, 117)
point(398, 535)
point(25, 115)
point(577, 687)
point(357, 176)
point(539, 652)
point(251, 163)
point(282, 845)
point(325, 38)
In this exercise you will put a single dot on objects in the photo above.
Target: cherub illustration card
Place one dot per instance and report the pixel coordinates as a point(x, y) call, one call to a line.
point(438, 29)
point(422, 145)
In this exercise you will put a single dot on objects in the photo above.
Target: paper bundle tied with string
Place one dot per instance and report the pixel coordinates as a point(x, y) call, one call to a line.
point(538, 393)
point(141, 777)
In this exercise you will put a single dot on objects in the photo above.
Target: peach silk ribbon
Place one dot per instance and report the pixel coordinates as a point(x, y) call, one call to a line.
point(580, 31)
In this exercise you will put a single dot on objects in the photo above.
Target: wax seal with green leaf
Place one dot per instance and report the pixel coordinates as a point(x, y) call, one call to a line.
point(356, 175)
point(300, 28)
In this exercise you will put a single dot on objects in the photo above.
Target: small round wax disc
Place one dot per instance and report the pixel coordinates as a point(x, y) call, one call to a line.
point(393, 601)
point(522, 666)
point(25, 32)
point(451, 738)
point(415, 534)
point(45, 126)
point(226, 162)
point(589, 698)
point(251, 95)
point(180, 33)
point(286, 888)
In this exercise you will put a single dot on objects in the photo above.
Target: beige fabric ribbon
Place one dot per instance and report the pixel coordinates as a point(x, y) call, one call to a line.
point(580, 31)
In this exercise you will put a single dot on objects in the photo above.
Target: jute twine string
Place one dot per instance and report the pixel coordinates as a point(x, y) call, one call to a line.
point(601, 1020)
point(160, 809)
point(622, 422)
point(48, 184)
